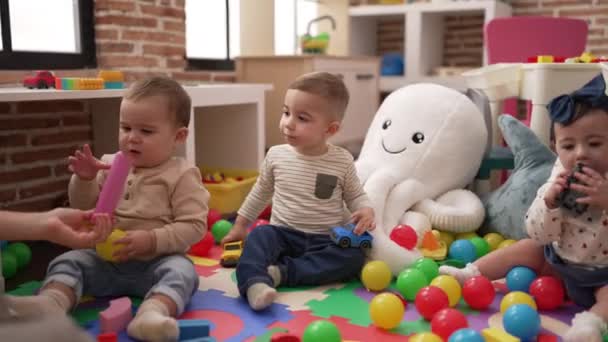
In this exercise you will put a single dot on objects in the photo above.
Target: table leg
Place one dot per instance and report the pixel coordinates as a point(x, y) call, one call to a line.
point(540, 123)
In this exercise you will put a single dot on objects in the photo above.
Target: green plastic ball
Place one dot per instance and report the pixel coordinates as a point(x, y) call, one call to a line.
point(22, 252)
point(9, 264)
point(428, 266)
point(410, 281)
point(220, 229)
point(322, 330)
point(481, 246)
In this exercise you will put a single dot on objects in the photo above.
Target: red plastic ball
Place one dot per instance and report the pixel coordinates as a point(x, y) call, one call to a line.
point(404, 236)
point(548, 292)
point(446, 321)
point(202, 247)
point(258, 222)
point(430, 300)
point(478, 292)
point(213, 216)
point(265, 214)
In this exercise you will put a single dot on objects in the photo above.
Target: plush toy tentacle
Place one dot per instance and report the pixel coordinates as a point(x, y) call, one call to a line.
point(455, 211)
point(377, 188)
point(400, 199)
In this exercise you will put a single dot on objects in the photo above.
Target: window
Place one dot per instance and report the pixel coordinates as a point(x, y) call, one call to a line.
point(40, 34)
point(291, 18)
point(212, 33)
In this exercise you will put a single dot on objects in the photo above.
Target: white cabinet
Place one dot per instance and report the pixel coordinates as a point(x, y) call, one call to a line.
point(360, 76)
point(424, 35)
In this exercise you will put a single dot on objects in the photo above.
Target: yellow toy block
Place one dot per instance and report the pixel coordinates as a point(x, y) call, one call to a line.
point(544, 59)
point(586, 57)
point(89, 83)
point(497, 335)
point(107, 248)
point(111, 75)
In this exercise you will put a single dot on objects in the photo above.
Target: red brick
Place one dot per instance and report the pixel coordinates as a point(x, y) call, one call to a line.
point(61, 138)
point(154, 37)
point(5, 108)
point(43, 189)
point(126, 61)
point(35, 205)
point(126, 21)
point(22, 175)
point(7, 195)
point(192, 76)
point(27, 123)
point(61, 170)
point(176, 63)
point(179, 3)
point(164, 50)
point(179, 26)
point(159, 11)
point(131, 76)
point(224, 77)
point(13, 140)
point(126, 6)
point(50, 106)
point(46, 154)
point(583, 13)
point(105, 47)
point(109, 34)
point(76, 120)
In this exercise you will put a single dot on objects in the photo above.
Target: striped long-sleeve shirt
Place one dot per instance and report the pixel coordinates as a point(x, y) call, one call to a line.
point(308, 192)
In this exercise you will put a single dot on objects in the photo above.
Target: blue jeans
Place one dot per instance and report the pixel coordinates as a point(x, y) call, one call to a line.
point(304, 259)
point(84, 271)
point(580, 282)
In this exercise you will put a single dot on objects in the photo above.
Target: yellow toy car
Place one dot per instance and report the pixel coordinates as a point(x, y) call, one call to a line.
point(231, 254)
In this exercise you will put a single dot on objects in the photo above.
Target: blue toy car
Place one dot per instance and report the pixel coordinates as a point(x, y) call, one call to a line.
point(345, 237)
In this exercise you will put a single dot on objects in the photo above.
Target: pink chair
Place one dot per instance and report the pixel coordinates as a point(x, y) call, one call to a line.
point(514, 39)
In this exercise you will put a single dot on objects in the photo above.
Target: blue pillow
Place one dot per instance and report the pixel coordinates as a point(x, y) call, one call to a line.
point(506, 206)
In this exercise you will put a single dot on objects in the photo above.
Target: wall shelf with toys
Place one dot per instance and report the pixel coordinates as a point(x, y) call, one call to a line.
point(423, 39)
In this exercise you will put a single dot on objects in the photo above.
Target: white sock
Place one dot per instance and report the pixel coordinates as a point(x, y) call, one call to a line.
point(275, 274)
point(48, 302)
point(260, 296)
point(461, 274)
point(153, 323)
point(587, 327)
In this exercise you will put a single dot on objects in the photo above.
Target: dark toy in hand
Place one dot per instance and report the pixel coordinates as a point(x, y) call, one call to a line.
point(567, 199)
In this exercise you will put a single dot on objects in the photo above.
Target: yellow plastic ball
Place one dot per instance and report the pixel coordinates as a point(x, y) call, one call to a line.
point(106, 249)
point(450, 286)
point(493, 240)
point(425, 337)
point(516, 297)
point(465, 236)
point(506, 243)
point(376, 275)
point(386, 310)
point(446, 237)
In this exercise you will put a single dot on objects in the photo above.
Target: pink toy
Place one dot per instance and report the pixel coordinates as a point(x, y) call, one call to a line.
point(113, 187)
point(116, 317)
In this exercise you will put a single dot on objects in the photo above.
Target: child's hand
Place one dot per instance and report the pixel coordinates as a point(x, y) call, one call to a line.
point(137, 244)
point(364, 218)
point(560, 184)
point(594, 185)
point(238, 232)
point(85, 165)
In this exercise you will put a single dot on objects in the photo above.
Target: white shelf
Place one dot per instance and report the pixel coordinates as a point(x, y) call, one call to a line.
point(391, 83)
point(424, 27)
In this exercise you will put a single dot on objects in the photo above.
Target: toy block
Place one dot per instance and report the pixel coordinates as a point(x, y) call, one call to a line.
point(116, 317)
point(545, 59)
point(497, 335)
point(559, 59)
point(586, 57)
point(193, 328)
point(107, 337)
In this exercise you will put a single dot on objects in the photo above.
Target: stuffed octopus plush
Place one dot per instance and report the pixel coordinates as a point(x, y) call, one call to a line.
point(424, 145)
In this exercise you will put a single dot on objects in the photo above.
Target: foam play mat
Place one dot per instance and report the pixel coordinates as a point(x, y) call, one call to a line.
point(346, 305)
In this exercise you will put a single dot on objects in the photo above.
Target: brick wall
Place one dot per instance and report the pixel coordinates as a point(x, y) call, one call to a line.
point(142, 37)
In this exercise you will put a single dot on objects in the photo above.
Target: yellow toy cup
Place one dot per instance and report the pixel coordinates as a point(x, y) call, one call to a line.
point(107, 248)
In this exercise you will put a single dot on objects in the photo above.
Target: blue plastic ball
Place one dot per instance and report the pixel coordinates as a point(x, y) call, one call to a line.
point(519, 278)
point(466, 335)
point(521, 320)
point(463, 250)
